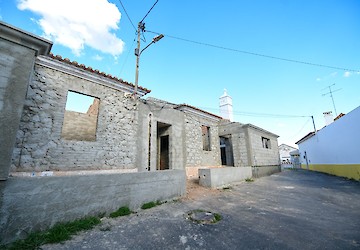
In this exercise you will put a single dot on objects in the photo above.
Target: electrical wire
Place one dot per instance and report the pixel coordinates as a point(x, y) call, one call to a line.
point(127, 15)
point(149, 11)
point(126, 58)
point(265, 115)
point(256, 54)
point(307, 121)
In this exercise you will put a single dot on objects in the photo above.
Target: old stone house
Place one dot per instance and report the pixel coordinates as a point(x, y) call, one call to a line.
point(59, 165)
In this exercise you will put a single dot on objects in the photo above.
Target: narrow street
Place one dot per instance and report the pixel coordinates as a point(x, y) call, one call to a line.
point(289, 210)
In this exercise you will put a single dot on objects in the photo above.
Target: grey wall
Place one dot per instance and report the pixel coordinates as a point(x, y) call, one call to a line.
point(195, 155)
point(218, 177)
point(17, 53)
point(36, 203)
point(239, 142)
point(16, 63)
point(261, 156)
point(39, 144)
point(261, 171)
point(156, 114)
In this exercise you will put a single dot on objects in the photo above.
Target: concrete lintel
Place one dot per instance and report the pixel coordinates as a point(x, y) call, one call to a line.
point(13, 34)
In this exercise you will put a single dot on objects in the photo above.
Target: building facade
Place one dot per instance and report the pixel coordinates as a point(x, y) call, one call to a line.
point(121, 151)
point(284, 151)
point(333, 149)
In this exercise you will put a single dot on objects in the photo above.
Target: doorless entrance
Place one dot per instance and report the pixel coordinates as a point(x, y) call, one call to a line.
point(164, 152)
point(163, 144)
point(227, 157)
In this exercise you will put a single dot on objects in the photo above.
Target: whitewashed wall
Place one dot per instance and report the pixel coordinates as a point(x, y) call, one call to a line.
point(338, 143)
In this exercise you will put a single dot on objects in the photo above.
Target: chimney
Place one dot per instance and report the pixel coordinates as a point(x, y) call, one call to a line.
point(328, 116)
point(226, 110)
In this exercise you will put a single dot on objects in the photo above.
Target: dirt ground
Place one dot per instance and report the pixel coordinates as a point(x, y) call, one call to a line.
point(194, 191)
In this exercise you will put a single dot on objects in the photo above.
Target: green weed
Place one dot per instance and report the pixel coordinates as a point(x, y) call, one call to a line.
point(58, 233)
point(122, 211)
point(151, 204)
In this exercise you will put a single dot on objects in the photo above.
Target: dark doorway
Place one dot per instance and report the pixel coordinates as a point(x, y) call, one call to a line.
point(226, 151)
point(223, 155)
point(163, 146)
point(164, 152)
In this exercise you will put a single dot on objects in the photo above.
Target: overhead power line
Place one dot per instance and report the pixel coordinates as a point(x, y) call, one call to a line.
point(149, 12)
point(256, 54)
point(266, 115)
point(127, 15)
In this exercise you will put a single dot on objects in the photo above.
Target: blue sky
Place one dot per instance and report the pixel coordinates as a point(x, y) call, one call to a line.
point(325, 32)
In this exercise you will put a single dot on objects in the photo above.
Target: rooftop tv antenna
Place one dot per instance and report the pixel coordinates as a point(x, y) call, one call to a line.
point(331, 95)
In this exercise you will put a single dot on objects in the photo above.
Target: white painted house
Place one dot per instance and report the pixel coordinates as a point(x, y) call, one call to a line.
point(284, 151)
point(335, 148)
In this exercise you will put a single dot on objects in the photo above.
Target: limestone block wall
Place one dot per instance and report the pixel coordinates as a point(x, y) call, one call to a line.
point(39, 145)
point(79, 126)
point(240, 150)
point(261, 156)
point(239, 141)
point(195, 155)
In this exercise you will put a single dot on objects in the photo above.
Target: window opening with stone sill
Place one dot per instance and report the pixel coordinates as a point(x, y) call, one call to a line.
point(266, 142)
point(206, 138)
point(80, 117)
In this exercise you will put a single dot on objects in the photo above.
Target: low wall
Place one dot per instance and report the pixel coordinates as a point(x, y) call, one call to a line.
point(261, 171)
point(217, 177)
point(350, 171)
point(193, 172)
point(35, 203)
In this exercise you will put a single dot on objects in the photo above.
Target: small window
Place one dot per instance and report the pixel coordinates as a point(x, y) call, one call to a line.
point(265, 142)
point(206, 138)
point(80, 117)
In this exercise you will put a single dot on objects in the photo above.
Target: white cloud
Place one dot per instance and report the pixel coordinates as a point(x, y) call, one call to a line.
point(347, 74)
point(97, 58)
point(327, 77)
point(75, 24)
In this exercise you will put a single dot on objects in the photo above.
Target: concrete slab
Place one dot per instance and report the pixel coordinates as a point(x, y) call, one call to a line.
point(288, 210)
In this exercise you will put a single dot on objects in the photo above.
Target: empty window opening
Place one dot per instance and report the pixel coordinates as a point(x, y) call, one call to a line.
point(266, 142)
point(80, 117)
point(206, 138)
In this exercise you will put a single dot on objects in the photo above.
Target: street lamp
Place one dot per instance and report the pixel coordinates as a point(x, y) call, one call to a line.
point(138, 52)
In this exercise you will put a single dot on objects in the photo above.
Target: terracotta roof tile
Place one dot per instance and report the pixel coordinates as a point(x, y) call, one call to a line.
point(95, 71)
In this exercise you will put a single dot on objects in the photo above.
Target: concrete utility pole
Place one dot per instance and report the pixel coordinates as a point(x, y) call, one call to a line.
point(312, 117)
point(331, 95)
point(141, 28)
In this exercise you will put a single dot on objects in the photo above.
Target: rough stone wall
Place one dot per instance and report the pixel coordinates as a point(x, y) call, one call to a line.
point(94, 108)
point(39, 145)
point(263, 156)
point(79, 126)
point(195, 155)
